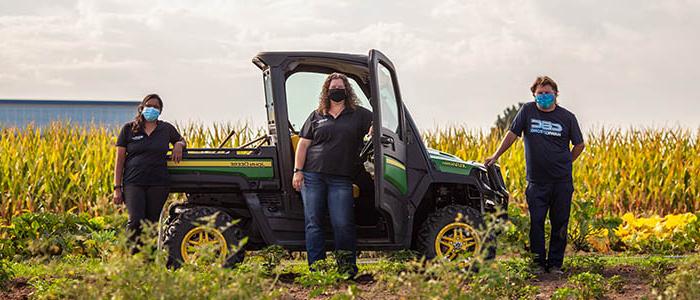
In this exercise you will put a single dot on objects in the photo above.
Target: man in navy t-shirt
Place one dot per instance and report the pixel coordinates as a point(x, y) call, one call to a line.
point(547, 129)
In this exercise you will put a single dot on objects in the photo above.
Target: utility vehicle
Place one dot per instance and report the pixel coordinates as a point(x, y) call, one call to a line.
point(407, 196)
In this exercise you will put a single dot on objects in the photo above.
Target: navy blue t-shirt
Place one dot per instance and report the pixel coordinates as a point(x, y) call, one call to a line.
point(547, 136)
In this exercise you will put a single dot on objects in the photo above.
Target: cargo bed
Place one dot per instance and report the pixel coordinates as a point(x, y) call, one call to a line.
point(224, 170)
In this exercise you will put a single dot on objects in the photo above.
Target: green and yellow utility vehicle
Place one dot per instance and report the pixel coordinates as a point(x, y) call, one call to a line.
point(407, 196)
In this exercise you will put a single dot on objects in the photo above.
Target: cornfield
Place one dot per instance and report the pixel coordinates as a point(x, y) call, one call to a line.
point(63, 167)
point(645, 171)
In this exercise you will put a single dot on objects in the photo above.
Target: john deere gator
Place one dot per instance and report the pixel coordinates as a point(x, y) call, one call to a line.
point(407, 196)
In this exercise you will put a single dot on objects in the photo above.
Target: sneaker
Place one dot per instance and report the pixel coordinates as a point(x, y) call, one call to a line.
point(538, 270)
point(556, 271)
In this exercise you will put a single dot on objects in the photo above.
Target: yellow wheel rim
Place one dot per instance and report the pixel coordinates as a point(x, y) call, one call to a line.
point(200, 237)
point(457, 238)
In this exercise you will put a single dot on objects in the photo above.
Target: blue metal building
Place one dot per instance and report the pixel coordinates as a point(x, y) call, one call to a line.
point(19, 113)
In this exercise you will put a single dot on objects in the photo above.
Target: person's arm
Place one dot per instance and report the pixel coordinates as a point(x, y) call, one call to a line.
point(299, 160)
point(182, 143)
point(517, 127)
point(118, 173)
point(576, 151)
point(178, 148)
point(178, 142)
point(507, 141)
point(576, 139)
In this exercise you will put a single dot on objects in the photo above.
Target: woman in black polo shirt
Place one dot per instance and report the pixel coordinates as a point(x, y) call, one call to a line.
point(326, 158)
point(140, 172)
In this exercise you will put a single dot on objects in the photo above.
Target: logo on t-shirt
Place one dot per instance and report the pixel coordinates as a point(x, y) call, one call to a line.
point(545, 127)
point(137, 137)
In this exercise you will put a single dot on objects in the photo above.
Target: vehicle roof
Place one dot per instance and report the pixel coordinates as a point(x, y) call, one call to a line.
point(273, 58)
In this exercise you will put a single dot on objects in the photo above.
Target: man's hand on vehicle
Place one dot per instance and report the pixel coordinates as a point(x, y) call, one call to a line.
point(490, 160)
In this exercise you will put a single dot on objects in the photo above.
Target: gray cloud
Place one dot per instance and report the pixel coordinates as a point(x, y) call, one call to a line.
point(618, 63)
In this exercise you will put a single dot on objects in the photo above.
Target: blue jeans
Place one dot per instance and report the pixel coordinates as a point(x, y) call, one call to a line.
point(323, 193)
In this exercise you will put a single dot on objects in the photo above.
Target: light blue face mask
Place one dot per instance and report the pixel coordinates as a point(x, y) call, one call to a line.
point(545, 100)
point(150, 114)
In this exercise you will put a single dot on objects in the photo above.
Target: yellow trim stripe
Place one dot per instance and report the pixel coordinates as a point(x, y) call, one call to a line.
point(395, 163)
point(226, 163)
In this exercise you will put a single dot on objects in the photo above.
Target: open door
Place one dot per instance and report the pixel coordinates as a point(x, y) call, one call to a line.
point(391, 184)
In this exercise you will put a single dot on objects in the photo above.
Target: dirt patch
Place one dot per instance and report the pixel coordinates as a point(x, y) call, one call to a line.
point(16, 289)
point(548, 283)
point(634, 283)
point(367, 288)
point(365, 291)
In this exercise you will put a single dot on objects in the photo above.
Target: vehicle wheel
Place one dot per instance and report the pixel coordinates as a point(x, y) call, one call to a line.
point(190, 231)
point(452, 231)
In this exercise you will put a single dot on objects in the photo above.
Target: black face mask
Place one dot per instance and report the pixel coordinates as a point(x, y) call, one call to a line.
point(336, 95)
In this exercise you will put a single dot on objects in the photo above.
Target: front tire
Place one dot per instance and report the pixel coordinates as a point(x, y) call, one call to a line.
point(199, 226)
point(452, 231)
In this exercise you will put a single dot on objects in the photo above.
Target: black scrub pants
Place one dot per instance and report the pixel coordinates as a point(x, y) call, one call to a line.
point(554, 198)
point(143, 203)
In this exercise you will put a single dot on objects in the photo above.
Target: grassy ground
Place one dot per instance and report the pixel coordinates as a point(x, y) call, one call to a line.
point(385, 277)
point(67, 256)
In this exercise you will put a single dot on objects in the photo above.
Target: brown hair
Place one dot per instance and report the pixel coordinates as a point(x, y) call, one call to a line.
point(544, 80)
point(139, 119)
point(324, 103)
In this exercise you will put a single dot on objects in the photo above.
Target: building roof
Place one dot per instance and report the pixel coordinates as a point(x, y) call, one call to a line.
point(129, 103)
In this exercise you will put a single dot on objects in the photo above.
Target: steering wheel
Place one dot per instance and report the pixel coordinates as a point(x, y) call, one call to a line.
point(367, 148)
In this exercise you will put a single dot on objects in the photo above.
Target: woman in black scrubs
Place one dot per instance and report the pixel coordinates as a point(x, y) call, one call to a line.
point(140, 172)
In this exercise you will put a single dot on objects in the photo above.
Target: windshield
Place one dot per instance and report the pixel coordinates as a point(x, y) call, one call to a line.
point(303, 90)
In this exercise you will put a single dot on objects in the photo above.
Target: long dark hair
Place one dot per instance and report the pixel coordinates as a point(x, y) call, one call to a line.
point(137, 124)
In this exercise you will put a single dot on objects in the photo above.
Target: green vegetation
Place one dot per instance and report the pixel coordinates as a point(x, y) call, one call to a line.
point(112, 272)
point(683, 283)
point(60, 234)
point(62, 167)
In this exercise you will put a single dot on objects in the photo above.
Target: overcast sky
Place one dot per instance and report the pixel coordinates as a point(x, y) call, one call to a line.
point(618, 63)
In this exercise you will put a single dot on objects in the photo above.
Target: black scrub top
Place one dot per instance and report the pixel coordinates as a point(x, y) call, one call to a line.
point(146, 154)
point(335, 142)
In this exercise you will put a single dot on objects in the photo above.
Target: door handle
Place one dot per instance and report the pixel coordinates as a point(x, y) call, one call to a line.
point(386, 140)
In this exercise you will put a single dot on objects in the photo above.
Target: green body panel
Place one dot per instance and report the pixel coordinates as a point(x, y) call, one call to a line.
point(449, 163)
point(249, 168)
point(395, 173)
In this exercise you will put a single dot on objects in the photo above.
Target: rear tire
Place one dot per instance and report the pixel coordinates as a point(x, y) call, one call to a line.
point(445, 221)
point(190, 221)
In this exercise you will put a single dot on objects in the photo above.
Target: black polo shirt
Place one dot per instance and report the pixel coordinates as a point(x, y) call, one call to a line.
point(146, 154)
point(335, 142)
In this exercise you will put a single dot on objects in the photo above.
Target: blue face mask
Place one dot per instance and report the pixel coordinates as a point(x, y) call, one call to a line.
point(150, 114)
point(545, 100)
